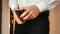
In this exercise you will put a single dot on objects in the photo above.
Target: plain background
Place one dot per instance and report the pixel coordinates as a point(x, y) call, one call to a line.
point(54, 19)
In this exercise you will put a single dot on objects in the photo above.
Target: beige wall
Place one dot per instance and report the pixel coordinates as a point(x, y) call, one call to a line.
point(54, 19)
point(5, 17)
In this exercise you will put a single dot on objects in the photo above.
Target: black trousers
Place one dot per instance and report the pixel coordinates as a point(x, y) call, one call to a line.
point(39, 25)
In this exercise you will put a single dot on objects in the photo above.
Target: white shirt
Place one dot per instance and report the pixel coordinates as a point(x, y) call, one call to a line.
point(41, 4)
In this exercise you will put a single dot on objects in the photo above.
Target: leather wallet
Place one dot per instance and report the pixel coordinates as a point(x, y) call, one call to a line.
point(19, 12)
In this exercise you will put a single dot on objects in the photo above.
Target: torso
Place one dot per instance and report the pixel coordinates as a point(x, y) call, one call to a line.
point(24, 3)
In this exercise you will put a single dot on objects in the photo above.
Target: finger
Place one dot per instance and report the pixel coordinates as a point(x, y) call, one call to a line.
point(32, 16)
point(18, 20)
point(28, 16)
point(25, 13)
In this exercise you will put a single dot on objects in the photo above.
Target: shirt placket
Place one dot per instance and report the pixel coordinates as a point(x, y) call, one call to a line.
point(24, 3)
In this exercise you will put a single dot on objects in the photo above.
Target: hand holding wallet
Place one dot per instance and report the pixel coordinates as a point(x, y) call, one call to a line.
point(19, 12)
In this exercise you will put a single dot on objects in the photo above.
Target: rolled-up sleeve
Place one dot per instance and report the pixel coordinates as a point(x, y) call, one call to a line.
point(47, 5)
point(13, 4)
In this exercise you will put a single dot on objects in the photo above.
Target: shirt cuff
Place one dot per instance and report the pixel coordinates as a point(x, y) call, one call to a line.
point(42, 6)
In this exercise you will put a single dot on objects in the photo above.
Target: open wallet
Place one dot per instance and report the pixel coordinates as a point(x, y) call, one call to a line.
point(18, 13)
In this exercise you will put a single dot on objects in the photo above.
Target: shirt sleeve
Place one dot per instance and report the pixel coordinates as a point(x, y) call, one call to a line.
point(47, 5)
point(13, 4)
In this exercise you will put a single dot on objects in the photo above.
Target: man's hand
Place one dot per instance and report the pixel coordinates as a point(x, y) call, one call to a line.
point(31, 12)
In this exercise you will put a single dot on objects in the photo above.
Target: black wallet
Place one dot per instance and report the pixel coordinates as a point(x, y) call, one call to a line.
point(19, 12)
